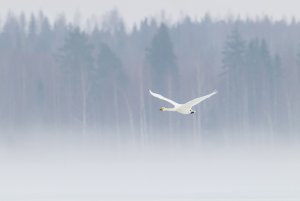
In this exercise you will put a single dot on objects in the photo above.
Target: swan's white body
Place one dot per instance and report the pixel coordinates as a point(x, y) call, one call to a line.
point(185, 108)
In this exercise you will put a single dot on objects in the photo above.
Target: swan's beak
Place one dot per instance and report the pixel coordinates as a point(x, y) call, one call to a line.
point(193, 112)
point(161, 109)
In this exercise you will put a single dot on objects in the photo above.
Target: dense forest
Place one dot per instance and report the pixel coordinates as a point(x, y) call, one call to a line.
point(58, 76)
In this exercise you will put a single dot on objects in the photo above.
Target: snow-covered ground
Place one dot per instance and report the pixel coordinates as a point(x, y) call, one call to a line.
point(70, 174)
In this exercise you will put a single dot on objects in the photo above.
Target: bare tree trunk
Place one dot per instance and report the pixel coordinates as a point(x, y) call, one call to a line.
point(116, 109)
point(83, 105)
point(142, 119)
point(130, 119)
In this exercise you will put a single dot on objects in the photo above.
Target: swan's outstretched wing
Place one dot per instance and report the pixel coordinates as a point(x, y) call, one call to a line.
point(200, 99)
point(163, 98)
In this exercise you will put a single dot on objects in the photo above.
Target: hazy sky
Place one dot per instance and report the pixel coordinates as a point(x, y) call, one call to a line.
point(135, 10)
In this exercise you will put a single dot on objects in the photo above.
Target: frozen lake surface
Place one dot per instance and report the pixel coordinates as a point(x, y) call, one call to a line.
point(152, 174)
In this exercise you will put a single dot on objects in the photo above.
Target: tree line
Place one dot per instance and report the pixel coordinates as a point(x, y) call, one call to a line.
point(60, 76)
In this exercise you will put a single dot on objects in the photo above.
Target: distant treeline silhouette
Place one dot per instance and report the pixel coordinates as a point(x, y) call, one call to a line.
point(57, 75)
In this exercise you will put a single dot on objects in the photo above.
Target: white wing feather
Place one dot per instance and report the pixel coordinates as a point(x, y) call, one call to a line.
point(163, 98)
point(200, 99)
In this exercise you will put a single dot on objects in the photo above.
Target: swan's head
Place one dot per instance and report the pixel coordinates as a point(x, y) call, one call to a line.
point(162, 109)
point(192, 111)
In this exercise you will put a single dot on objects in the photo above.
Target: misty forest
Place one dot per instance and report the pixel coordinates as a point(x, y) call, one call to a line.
point(93, 82)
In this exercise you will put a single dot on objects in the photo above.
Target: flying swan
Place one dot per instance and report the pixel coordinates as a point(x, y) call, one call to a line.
point(185, 108)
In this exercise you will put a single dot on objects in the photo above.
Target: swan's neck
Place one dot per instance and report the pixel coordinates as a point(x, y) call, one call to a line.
point(169, 109)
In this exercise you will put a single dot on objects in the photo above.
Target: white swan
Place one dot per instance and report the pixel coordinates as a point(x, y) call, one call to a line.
point(185, 108)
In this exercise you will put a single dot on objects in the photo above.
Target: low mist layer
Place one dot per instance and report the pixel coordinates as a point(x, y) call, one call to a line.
point(154, 172)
